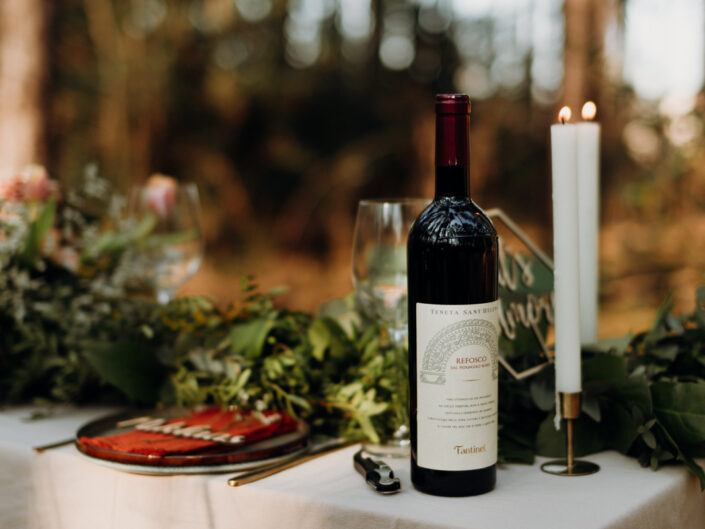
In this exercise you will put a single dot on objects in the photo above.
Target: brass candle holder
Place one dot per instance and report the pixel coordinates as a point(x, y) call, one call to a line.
point(570, 410)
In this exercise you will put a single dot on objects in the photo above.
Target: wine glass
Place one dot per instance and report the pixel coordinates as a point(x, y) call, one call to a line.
point(167, 217)
point(379, 276)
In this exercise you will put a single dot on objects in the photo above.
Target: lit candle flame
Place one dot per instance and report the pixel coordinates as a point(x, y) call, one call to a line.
point(589, 111)
point(564, 115)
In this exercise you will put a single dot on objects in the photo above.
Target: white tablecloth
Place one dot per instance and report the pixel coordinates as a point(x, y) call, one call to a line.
point(60, 489)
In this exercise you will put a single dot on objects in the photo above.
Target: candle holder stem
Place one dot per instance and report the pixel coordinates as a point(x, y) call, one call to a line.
point(570, 410)
point(569, 443)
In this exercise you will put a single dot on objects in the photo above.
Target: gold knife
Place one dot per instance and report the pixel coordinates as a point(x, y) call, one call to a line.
point(257, 474)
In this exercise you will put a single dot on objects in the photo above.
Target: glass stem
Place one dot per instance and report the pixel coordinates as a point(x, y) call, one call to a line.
point(398, 339)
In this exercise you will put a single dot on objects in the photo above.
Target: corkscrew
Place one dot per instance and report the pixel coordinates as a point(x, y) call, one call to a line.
point(377, 474)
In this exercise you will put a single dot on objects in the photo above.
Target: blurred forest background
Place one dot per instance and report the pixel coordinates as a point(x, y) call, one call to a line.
point(287, 112)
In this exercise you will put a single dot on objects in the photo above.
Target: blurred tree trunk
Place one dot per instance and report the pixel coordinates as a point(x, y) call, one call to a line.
point(23, 62)
point(113, 127)
point(575, 57)
point(602, 12)
point(586, 22)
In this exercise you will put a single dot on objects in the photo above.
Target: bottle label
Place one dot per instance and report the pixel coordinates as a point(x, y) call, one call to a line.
point(456, 381)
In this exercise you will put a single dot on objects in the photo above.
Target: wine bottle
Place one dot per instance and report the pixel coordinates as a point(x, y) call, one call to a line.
point(453, 324)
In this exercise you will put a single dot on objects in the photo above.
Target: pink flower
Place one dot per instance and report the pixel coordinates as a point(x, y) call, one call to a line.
point(160, 194)
point(38, 187)
point(11, 189)
point(32, 183)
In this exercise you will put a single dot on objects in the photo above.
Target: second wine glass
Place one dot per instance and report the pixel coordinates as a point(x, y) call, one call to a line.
point(171, 250)
point(379, 276)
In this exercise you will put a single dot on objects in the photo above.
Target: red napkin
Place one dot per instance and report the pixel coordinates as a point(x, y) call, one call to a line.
point(249, 425)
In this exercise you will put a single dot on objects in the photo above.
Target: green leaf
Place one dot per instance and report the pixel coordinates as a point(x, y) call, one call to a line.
point(635, 391)
point(665, 352)
point(38, 231)
point(247, 338)
point(617, 346)
point(320, 338)
point(680, 408)
point(542, 393)
point(551, 443)
point(649, 439)
point(512, 452)
point(700, 306)
point(342, 311)
point(591, 407)
point(515, 446)
point(605, 368)
point(130, 366)
point(326, 335)
point(625, 408)
point(664, 311)
point(694, 467)
point(620, 429)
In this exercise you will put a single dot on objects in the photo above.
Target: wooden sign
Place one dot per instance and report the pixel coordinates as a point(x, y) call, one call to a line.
point(526, 299)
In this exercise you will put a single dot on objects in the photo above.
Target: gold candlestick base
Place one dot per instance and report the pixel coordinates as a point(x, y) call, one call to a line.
point(570, 410)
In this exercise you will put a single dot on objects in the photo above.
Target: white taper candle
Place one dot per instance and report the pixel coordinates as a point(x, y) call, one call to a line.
point(588, 140)
point(565, 255)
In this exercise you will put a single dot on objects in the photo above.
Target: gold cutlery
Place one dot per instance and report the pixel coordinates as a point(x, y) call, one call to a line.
point(255, 475)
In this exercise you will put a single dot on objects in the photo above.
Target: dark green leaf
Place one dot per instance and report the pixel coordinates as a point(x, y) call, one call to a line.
point(605, 368)
point(649, 439)
point(616, 346)
point(635, 390)
point(591, 407)
point(132, 367)
point(512, 452)
point(665, 352)
point(551, 443)
point(692, 465)
point(663, 312)
point(542, 393)
point(620, 428)
point(680, 408)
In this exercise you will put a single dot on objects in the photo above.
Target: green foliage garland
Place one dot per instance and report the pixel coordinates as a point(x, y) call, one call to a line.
point(71, 334)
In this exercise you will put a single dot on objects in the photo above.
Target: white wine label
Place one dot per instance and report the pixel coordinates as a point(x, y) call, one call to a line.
point(456, 381)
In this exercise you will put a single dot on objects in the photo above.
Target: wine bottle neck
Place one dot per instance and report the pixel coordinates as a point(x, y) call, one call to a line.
point(453, 181)
point(452, 155)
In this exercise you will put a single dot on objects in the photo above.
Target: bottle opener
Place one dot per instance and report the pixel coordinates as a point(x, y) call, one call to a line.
point(377, 474)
